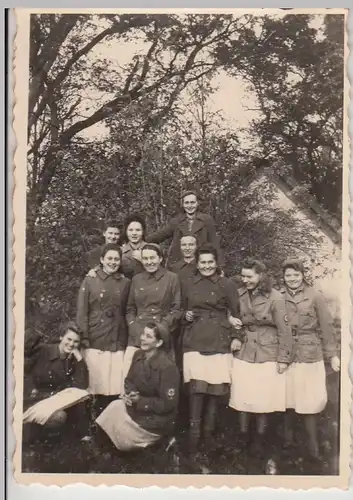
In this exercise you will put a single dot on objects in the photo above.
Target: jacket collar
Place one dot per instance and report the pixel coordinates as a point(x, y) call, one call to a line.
point(256, 293)
point(214, 278)
point(104, 276)
point(157, 275)
point(198, 222)
point(126, 248)
point(54, 352)
point(155, 360)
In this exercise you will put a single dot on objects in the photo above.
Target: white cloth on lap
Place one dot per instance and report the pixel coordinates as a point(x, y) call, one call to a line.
point(40, 412)
point(105, 370)
point(257, 387)
point(122, 430)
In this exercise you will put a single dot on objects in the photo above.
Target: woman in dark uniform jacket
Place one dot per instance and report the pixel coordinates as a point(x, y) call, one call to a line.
point(52, 368)
point(101, 316)
point(208, 338)
point(149, 405)
point(314, 340)
point(154, 296)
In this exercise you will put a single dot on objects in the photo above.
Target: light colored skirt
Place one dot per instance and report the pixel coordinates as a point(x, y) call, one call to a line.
point(213, 369)
point(105, 370)
point(41, 412)
point(306, 389)
point(122, 430)
point(257, 387)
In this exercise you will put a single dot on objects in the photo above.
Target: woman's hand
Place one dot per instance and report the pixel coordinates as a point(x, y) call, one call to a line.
point(235, 345)
point(34, 393)
point(136, 254)
point(235, 322)
point(76, 353)
point(335, 364)
point(92, 273)
point(131, 398)
point(189, 316)
point(282, 367)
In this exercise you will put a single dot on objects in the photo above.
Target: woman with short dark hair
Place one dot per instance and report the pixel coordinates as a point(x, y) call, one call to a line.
point(154, 296)
point(148, 408)
point(101, 311)
point(53, 369)
point(134, 240)
point(258, 383)
point(208, 339)
point(314, 340)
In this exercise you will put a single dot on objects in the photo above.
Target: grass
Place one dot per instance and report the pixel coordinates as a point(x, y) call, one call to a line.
point(68, 456)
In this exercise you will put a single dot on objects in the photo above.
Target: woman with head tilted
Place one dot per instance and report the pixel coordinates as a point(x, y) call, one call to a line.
point(207, 341)
point(53, 369)
point(101, 316)
point(148, 408)
point(314, 340)
point(258, 383)
point(154, 296)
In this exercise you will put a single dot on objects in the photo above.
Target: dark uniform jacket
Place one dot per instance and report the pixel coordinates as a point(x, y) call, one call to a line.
point(311, 323)
point(130, 266)
point(51, 373)
point(157, 380)
point(101, 308)
point(203, 228)
point(210, 299)
point(268, 336)
point(185, 271)
point(153, 297)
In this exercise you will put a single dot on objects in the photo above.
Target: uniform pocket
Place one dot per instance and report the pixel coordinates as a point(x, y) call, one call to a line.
point(308, 348)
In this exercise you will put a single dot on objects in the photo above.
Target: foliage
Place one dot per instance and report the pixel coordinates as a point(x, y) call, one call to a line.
point(297, 73)
point(154, 145)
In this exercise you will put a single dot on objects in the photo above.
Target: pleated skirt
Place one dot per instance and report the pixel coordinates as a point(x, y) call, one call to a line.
point(306, 390)
point(105, 371)
point(124, 433)
point(257, 387)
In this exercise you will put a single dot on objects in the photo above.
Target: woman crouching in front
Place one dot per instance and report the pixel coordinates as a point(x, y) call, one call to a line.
point(258, 384)
point(149, 405)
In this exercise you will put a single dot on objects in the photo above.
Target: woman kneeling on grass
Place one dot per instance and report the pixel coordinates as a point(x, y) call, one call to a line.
point(149, 405)
point(59, 378)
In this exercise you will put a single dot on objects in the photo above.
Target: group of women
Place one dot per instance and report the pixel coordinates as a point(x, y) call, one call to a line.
point(161, 336)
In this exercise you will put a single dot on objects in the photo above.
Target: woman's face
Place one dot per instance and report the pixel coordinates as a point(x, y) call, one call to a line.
point(250, 278)
point(151, 260)
point(111, 262)
point(293, 279)
point(69, 342)
point(207, 264)
point(134, 232)
point(149, 341)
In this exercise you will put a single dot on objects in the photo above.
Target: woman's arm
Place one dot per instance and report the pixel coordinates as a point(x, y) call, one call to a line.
point(284, 331)
point(131, 310)
point(327, 333)
point(232, 296)
point(162, 234)
point(83, 311)
point(172, 318)
point(80, 376)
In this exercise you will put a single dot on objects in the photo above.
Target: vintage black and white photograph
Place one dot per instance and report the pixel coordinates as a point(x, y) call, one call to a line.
point(184, 281)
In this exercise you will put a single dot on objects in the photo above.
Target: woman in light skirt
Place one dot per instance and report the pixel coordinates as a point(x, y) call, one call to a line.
point(101, 316)
point(258, 382)
point(208, 338)
point(314, 340)
point(148, 408)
